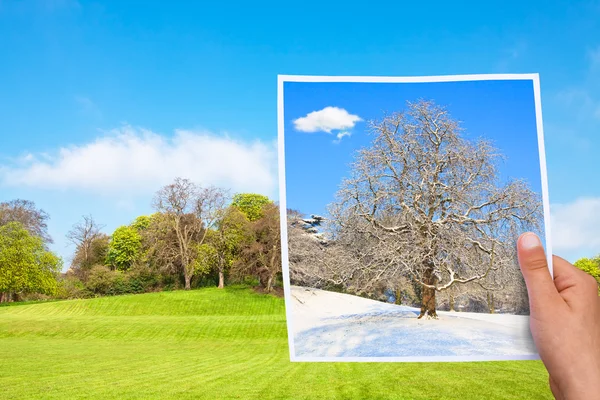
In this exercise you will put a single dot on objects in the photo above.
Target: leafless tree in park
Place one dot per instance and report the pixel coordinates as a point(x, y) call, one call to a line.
point(188, 211)
point(82, 235)
point(426, 203)
point(25, 212)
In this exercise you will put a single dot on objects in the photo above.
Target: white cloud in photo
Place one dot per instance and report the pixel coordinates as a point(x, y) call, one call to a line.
point(342, 135)
point(129, 162)
point(576, 227)
point(326, 120)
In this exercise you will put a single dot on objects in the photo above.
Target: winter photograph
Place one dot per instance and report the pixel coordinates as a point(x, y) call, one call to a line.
point(403, 199)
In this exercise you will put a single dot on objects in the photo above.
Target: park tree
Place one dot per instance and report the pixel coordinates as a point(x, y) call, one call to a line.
point(124, 247)
point(188, 212)
point(224, 244)
point(34, 220)
point(251, 204)
point(424, 202)
point(262, 257)
point(84, 235)
point(26, 266)
point(142, 222)
point(86, 257)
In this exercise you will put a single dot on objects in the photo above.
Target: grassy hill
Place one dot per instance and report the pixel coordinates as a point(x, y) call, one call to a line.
point(210, 343)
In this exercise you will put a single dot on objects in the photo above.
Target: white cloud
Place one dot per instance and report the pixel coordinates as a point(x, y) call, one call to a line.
point(342, 135)
point(128, 162)
point(326, 120)
point(576, 227)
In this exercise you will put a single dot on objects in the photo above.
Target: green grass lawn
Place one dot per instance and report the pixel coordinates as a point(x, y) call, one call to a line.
point(208, 344)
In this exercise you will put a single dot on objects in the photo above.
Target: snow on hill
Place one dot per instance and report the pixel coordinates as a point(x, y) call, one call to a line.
point(329, 324)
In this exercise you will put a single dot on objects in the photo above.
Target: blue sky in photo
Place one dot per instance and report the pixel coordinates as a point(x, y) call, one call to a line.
point(102, 103)
point(502, 112)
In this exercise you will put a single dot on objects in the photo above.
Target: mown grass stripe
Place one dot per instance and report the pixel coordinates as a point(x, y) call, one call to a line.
point(212, 344)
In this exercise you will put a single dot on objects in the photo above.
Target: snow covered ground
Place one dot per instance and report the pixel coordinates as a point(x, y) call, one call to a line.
point(328, 324)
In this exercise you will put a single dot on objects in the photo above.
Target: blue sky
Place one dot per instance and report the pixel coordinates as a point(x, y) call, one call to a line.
point(135, 93)
point(500, 111)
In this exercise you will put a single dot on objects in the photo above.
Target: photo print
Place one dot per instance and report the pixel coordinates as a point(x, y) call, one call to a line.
point(401, 201)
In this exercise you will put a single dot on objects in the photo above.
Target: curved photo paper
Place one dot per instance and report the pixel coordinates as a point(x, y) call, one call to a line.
point(401, 202)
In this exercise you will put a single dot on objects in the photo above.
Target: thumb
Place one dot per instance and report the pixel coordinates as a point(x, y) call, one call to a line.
point(534, 266)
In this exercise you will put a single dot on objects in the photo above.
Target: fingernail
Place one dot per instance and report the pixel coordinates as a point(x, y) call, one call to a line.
point(530, 241)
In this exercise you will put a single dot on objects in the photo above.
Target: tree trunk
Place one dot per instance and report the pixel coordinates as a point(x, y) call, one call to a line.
point(398, 296)
point(428, 296)
point(451, 301)
point(188, 281)
point(490, 301)
point(2, 294)
point(270, 283)
point(221, 280)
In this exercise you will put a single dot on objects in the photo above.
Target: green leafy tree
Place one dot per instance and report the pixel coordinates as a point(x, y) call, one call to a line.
point(590, 266)
point(251, 204)
point(124, 247)
point(25, 264)
point(227, 241)
point(142, 222)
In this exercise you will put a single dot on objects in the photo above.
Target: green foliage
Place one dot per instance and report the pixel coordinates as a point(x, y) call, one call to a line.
point(223, 246)
point(251, 204)
point(206, 257)
point(101, 279)
point(104, 281)
point(71, 287)
point(97, 253)
point(590, 266)
point(124, 247)
point(142, 222)
point(25, 264)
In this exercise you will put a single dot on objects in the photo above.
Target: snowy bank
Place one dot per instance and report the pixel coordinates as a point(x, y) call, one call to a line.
point(329, 324)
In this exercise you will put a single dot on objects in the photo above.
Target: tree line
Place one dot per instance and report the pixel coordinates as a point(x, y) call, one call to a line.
point(197, 236)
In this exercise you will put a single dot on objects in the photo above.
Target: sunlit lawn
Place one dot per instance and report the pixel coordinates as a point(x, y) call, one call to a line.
point(211, 343)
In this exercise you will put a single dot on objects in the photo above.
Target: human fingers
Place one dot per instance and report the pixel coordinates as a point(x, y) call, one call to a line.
point(572, 283)
point(542, 292)
point(554, 389)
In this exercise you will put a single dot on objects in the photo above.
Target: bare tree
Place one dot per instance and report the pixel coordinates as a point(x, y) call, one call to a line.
point(82, 235)
point(424, 202)
point(25, 212)
point(189, 211)
point(262, 256)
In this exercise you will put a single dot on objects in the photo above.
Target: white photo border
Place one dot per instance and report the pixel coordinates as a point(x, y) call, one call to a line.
point(281, 79)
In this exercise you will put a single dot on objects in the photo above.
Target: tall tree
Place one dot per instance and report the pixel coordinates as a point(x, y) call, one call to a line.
point(425, 202)
point(262, 257)
point(82, 235)
point(189, 211)
point(225, 243)
point(251, 204)
point(34, 220)
point(124, 247)
point(26, 266)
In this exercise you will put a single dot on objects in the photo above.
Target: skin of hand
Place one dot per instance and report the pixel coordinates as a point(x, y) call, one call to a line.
point(564, 321)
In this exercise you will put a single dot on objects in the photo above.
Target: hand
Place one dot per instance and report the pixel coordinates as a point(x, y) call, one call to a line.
point(564, 321)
